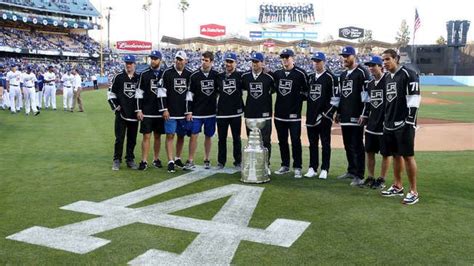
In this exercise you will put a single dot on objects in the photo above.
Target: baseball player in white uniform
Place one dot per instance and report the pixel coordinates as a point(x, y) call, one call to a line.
point(5, 99)
point(50, 88)
point(68, 81)
point(13, 87)
point(28, 80)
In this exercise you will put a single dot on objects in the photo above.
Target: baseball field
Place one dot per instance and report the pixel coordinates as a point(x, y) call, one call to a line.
point(60, 159)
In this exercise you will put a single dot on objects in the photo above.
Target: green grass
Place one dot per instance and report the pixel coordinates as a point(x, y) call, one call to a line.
point(459, 109)
point(59, 158)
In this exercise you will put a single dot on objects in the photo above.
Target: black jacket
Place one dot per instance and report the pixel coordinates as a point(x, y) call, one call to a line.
point(354, 95)
point(230, 103)
point(291, 86)
point(259, 102)
point(176, 91)
point(204, 93)
point(402, 95)
point(323, 98)
point(122, 93)
point(149, 94)
point(376, 107)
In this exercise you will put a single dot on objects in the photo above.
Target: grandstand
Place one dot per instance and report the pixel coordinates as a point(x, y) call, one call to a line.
point(42, 32)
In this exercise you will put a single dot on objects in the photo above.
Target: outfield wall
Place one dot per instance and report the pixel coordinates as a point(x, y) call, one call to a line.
point(447, 80)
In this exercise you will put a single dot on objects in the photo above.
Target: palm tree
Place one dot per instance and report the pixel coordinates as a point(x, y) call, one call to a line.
point(183, 6)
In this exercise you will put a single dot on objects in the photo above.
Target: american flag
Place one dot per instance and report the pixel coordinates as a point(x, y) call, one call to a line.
point(417, 20)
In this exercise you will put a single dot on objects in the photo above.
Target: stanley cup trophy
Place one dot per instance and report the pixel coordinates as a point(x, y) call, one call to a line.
point(255, 158)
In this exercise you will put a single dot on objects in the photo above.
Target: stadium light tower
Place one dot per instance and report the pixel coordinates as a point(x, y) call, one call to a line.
point(147, 13)
point(183, 6)
point(108, 25)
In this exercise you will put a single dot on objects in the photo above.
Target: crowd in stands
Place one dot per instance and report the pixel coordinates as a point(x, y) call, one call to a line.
point(26, 39)
point(272, 60)
point(91, 67)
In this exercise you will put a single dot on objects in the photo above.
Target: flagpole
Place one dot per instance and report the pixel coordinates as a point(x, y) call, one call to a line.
point(414, 47)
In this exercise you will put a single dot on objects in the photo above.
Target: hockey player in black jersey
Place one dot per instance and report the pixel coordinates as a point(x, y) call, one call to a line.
point(322, 102)
point(258, 104)
point(374, 128)
point(203, 87)
point(121, 97)
point(354, 98)
point(291, 84)
point(402, 100)
point(176, 81)
point(150, 94)
point(230, 108)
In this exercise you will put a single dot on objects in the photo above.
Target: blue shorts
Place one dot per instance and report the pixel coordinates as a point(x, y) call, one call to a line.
point(209, 126)
point(179, 126)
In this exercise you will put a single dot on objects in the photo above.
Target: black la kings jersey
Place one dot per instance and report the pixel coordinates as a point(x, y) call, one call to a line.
point(323, 97)
point(230, 103)
point(376, 108)
point(149, 93)
point(204, 90)
point(176, 85)
point(259, 95)
point(122, 93)
point(290, 85)
point(402, 95)
point(353, 85)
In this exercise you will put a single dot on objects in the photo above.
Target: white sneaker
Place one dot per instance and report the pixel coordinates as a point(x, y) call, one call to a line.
point(310, 173)
point(323, 174)
point(298, 173)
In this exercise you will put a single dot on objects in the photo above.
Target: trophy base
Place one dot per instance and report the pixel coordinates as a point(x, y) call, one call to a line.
point(255, 181)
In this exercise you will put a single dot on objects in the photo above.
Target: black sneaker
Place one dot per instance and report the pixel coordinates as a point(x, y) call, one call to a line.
point(157, 163)
point(379, 183)
point(207, 164)
point(132, 165)
point(368, 182)
point(143, 166)
point(178, 163)
point(171, 167)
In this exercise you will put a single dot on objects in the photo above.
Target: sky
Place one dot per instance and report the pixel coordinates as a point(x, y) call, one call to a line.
point(383, 17)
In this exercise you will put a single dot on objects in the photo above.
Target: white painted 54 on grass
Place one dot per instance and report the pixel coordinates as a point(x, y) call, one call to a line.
point(217, 240)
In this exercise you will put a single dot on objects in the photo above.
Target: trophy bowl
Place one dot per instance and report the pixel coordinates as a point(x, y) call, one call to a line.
point(255, 123)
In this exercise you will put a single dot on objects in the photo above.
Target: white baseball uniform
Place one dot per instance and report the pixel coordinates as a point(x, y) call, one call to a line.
point(49, 90)
point(29, 91)
point(68, 94)
point(14, 80)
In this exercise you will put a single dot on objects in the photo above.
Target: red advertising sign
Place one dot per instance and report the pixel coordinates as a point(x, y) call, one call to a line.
point(212, 30)
point(134, 45)
point(269, 43)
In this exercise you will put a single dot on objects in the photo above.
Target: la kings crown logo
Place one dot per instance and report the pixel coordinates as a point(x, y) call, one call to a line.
point(391, 91)
point(376, 98)
point(180, 85)
point(256, 89)
point(315, 91)
point(207, 86)
point(129, 89)
point(229, 86)
point(285, 86)
point(347, 88)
